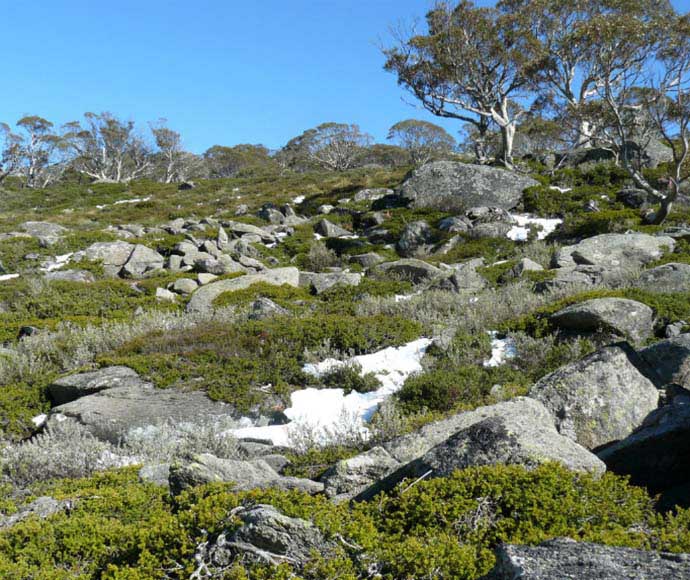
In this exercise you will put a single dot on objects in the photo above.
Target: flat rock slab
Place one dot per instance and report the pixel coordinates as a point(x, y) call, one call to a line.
point(615, 251)
point(601, 398)
point(72, 387)
point(416, 271)
point(246, 475)
point(202, 299)
point(566, 559)
point(322, 281)
point(111, 414)
point(626, 318)
point(455, 186)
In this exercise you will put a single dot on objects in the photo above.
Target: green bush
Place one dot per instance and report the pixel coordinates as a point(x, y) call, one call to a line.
point(349, 377)
point(458, 388)
point(120, 528)
point(231, 362)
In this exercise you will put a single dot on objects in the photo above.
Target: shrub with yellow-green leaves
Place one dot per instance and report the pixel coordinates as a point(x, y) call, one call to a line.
point(120, 528)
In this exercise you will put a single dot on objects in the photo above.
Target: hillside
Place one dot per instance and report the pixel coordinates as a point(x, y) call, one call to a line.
point(357, 374)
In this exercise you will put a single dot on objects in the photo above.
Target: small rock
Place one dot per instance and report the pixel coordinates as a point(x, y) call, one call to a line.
point(184, 286)
point(330, 230)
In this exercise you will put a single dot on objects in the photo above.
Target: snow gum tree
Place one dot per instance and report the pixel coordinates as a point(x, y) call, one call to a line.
point(471, 65)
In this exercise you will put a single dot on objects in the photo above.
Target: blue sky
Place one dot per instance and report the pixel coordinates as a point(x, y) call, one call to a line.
point(221, 72)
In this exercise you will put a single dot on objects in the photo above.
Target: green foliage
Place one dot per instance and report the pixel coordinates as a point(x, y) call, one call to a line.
point(232, 362)
point(668, 308)
point(120, 528)
point(585, 225)
point(284, 295)
point(350, 378)
point(315, 461)
point(458, 388)
point(44, 304)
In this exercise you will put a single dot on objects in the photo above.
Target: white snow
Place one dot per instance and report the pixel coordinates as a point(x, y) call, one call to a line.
point(299, 199)
point(520, 231)
point(318, 236)
point(123, 201)
point(406, 297)
point(322, 410)
point(560, 189)
point(502, 349)
point(57, 263)
point(4, 277)
point(39, 420)
point(133, 200)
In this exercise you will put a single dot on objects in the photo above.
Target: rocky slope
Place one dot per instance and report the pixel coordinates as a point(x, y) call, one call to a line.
point(304, 351)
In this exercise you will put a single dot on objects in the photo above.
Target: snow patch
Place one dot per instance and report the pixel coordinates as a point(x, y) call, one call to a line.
point(39, 420)
point(4, 277)
point(502, 349)
point(57, 263)
point(560, 189)
point(322, 410)
point(519, 232)
point(124, 201)
point(299, 199)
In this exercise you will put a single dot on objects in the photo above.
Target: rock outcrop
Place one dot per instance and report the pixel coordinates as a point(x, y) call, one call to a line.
point(626, 318)
point(600, 399)
point(246, 475)
point(566, 559)
point(202, 299)
point(456, 186)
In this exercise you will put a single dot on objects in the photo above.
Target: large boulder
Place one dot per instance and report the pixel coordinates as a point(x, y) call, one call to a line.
point(46, 233)
point(246, 475)
point(582, 277)
point(456, 186)
point(113, 255)
point(114, 413)
point(463, 278)
point(522, 433)
point(673, 277)
point(566, 559)
point(601, 398)
point(615, 251)
point(328, 229)
point(410, 446)
point(657, 455)
point(670, 359)
point(416, 271)
point(240, 229)
point(141, 261)
point(264, 536)
point(322, 281)
point(202, 299)
point(416, 240)
point(368, 260)
point(626, 318)
point(72, 387)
